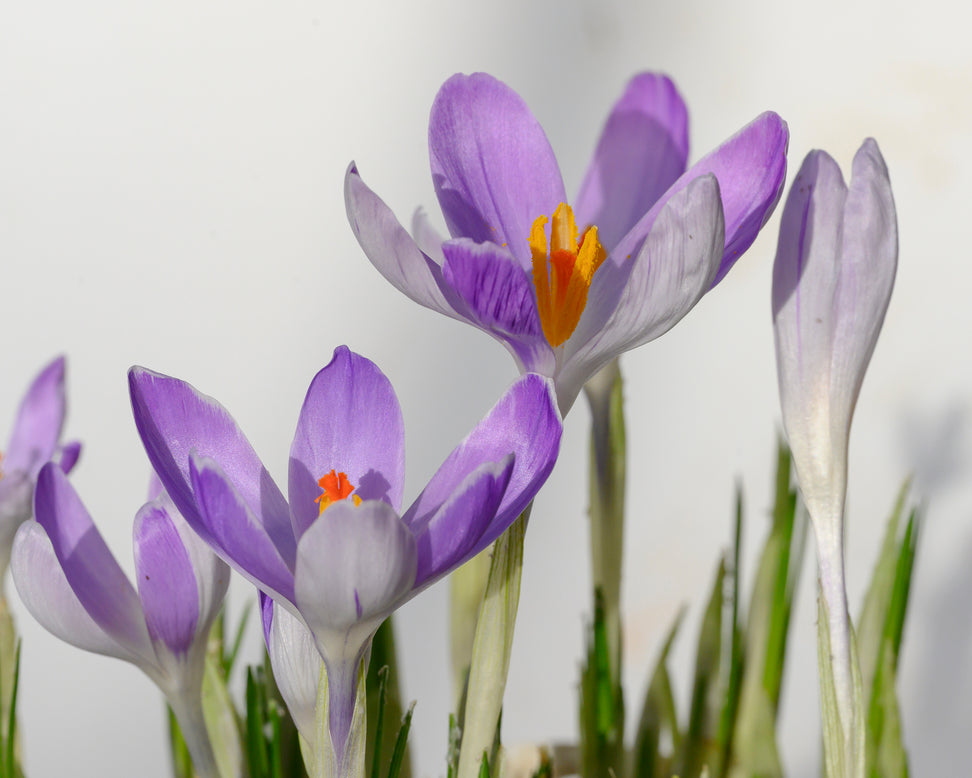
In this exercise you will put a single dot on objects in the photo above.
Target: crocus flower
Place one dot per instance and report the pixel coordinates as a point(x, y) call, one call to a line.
point(832, 281)
point(340, 557)
point(644, 241)
point(34, 441)
point(70, 582)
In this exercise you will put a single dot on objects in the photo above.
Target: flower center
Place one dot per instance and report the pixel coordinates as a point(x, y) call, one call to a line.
point(563, 276)
point(336, 487)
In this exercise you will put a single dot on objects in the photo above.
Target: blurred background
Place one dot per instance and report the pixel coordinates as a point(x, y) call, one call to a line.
point(171, 195)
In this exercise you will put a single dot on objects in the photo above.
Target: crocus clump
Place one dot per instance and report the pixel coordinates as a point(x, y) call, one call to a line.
point(832, 281)
point(35, 440)
point(339, 555)
point(71, 583)
point(567, 289)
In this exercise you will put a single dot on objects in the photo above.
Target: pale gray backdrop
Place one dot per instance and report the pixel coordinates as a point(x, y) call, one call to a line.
point(171, 195)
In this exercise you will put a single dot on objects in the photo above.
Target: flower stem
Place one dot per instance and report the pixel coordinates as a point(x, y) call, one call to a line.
point(607, 485)
point(187, 709)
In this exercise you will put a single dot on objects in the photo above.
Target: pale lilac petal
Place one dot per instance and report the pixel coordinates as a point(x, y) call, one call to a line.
point(492, 166)
point(350, 422)
point(392, 250)
point(869, 260)
point(526, 423)
point(39, 421)
point(166, 580)
point(832, 281)
point(427, 237)
point(501, 300)
point(173, 419)
point(16, 499)
point(48, 596)
point(642, 150)
point(354, 567)
point(458, 530)
point(672, 271)
point(296, 662)
point(751, 169)
point(89, 567)
point(67, 455)
point(235, 532)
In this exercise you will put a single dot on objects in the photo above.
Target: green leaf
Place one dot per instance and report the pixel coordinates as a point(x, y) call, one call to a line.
point(221, 720)
point(491, 648)
point(700, 745)
point(384, 702)
point(401, 741)
point(754, 749)
point(882, 624)
point(658, 716)
point(601, 705)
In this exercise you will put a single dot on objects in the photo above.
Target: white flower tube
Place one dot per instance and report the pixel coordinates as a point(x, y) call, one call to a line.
point(832, 280)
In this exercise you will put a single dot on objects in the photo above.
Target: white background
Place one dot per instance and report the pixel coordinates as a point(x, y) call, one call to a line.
point(171, 195)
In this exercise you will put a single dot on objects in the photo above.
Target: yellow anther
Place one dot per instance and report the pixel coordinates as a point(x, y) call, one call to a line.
point(563, 277)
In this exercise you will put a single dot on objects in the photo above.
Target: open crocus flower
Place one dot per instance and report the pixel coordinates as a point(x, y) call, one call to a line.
point(568, 289)
point(70, 582)
point(832, 281)
point(34, 441)
point(341, 556)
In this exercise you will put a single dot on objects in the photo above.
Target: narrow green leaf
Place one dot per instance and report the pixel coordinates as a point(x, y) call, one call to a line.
point(658, 716)
point(401, 741)
point(380, 738)
point(601, 706)
point(754, 749)
point(699, 747)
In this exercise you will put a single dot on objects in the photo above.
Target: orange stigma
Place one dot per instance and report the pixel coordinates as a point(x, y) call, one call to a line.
point(336, 487)
point(563, 278)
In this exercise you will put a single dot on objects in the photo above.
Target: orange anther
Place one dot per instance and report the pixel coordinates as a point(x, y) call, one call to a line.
point(336, 487)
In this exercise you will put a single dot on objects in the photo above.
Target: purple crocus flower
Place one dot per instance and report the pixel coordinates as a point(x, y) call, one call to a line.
point(70, 582)
point(34, 441)
point(644, 241)
point(832, 281)
point(340, 557)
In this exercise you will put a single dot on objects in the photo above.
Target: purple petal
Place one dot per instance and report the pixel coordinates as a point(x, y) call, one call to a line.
point(297, 665)
point(89, 567)
point(166, 580)
point(350, 422)
point(673, 270)
point(391, 249)
point(39, 421)
point(526, 423)
point(751, 169)
point(212, 573)
point(67, 455)
point(500, 298)
point(235, 532)
point(48, 596)
point(455, 532)
point(492, 166)
point(643, 149)
point(173, 419)
point(354, 566)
